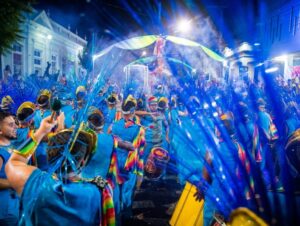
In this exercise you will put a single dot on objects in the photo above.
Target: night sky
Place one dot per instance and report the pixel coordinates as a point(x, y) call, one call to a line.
point(237, 20)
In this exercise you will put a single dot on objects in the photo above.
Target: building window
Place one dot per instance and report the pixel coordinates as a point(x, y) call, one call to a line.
point(17, 59)
point(37, 60)
point(37, 53)
point(64, 64)
point(296, 61)
point(17, 48)
point(53, 64)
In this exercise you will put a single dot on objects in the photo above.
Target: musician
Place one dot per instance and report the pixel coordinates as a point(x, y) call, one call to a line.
point(60, 199)
point(131, 164)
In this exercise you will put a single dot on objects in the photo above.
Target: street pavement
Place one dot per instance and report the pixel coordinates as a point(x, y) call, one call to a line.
point(155, 201)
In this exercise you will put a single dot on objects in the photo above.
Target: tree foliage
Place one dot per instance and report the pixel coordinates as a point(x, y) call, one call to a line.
point(12, 15)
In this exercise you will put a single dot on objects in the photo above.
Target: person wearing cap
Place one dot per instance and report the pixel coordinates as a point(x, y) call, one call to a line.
point(62, 198)
point(248, 132)
point(153, 121)
point(9, 204)
point(112, 114)
point(103, 160)
point(74, 115)
point(106, 145)
point(141, 103)
point(269, 137)
point(43, 111)
point(7, 104)
point(74, 108)
point(162, 107)
point(80, 96)
point(159, 91)
point(43, 103)
point(25, 116)
point(100, 101)
point(292, 122)
point(131, 164)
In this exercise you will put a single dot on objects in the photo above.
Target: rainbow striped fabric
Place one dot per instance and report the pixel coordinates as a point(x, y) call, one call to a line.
point(246, 164)
point(256, 146)
point(108, 209)
point(273, 131)
point(28, 147)
point(134, 159)
point(118, 116)
point(113, 167)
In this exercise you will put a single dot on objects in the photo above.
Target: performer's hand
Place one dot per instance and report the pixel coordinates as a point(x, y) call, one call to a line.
point(198, 195)
point(45, 127)
point(155, 114)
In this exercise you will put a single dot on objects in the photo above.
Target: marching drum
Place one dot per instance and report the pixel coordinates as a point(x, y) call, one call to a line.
point(292, 151)
point(156, 163)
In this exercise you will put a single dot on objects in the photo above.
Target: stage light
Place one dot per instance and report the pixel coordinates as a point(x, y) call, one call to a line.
point(281, 58)
point(271, 70)
point(49, 37)
point(245, 47)
point(228, 52)
point(184, 26)
point(144, 53)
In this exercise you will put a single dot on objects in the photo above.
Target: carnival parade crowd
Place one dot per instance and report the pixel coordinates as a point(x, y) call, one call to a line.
point(72, 155)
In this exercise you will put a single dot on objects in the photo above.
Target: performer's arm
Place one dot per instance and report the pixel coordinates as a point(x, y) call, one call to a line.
point(205, 173)
point(199, 195)
point(60, 122)
point(16, 169)
point(125, 145)
point(166, 125)
point(142, 113)
point(4, 184)
point(109, 129)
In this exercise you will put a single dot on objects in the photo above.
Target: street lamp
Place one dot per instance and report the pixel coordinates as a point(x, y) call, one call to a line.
point(184, 26)
point(282, 58)
point(271, 70)
point(49, 37)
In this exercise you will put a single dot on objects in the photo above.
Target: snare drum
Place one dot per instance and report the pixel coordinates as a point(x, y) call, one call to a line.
point(156, 163)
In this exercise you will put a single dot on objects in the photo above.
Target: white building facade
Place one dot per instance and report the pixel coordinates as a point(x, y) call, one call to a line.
point(281, 38)
point(240, 62)
point(45, 41)
point(279, 46)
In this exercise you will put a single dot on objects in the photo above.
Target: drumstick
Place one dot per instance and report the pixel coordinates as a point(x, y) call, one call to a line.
point(55, 107)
